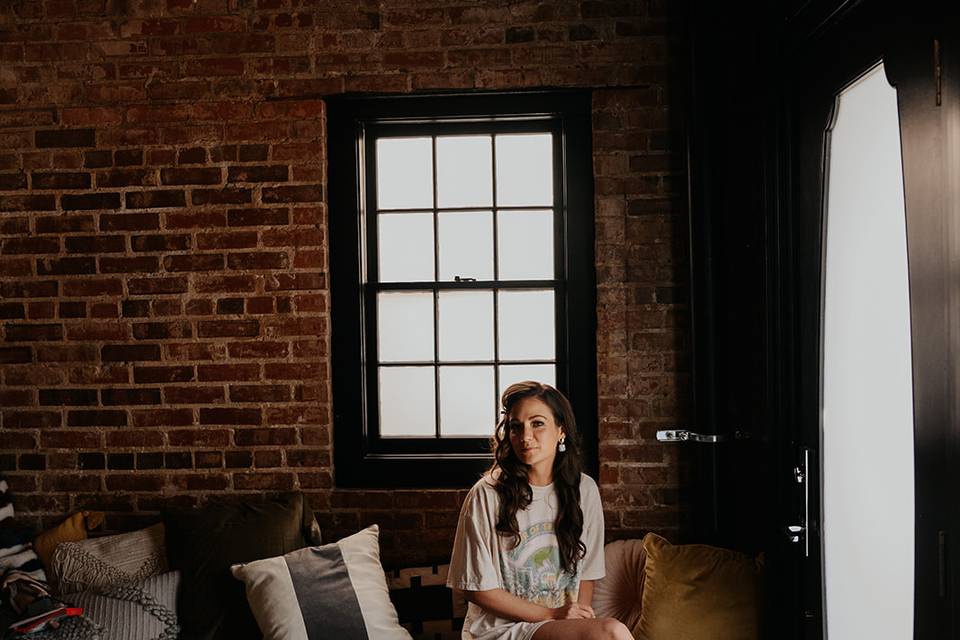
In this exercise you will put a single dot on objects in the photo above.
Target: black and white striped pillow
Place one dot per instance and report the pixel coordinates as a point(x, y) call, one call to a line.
point(16, 548)
point(6, 503)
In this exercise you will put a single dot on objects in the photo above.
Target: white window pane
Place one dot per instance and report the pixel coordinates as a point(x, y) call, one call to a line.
point(513, 373)
point(525, 245)
point(466, 245)
point(526, 325)
point(407, 401)
point(467, 403)
point(405, 327)
point(464, 171)
point(405, 247)
point(525, 170)
point(466, 325)
point(404, 173)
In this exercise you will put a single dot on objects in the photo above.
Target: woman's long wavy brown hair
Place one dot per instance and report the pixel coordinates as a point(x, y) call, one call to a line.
point(513, 486)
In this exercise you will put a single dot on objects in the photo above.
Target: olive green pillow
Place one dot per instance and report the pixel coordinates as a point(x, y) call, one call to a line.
point(698, 592)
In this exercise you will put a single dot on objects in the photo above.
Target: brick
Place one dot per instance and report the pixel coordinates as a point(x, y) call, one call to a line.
point(227, 240)
point(263, 481)
point(296, 281)
point(38, 202)
point(31, 420)
point(59, 180)
point(139, 264)
point(193, 395)
point(257, 217)
point(65, 224)
point(97, 159)
point(194, 262)
point(11, 310)
point(97, 418)
point(204, 175)
point(112, 397)
point(230, 416)
point(220, 196)
point(301, 193)
point(43, 289)
point(92, 287)
point(15, 246)
point(179, 417)
point(16, 397)
point(72, 309)
point(128, 157)
point(166, 242)
point(230, 306)
point(192, 155)
point(65, 397)
point(266, 436)
point(228, 372)
point(259, 393)
point(143, 375)
point(34, 332)
point(161, 330)
point(155, 199)
point(65, 138)
point(126, 178)
point(199, 437)
point(95, 244)
point(16, 267)
point(262, 173)
point(134, 482)
point(13, 181)
point(257, 260)
point(65, 266)
point(225, 284)
point(129, 222)
point(154, 286)
point(15, 355)
point(66, 353)
point(121, 461)
point(228, 328)
point(258, 349)
point(61, 482)
point(87, 201)
point(129, 352)
point(93, 330)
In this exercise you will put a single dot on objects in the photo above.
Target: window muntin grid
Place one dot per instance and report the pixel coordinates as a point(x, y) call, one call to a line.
point(475, 269)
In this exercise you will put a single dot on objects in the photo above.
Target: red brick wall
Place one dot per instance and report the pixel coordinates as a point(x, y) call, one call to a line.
point(163, 263)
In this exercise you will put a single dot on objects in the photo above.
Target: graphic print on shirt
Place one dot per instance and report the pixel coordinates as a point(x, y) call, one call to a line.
point(533, 568)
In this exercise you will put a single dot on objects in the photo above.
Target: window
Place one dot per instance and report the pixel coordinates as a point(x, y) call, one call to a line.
point(461, 255)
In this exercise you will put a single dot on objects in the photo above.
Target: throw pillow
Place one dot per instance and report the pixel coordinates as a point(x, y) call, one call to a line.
point(617, 594)
point(426, 606)
point(334, 591)
point(141, 611)
point(72, 529)
point(16, 551)
point(698, 592)
point(109, 560)
point(204, 543)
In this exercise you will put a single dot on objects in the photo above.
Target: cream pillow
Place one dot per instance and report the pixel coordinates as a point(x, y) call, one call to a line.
point(698, 592)
point(109, 561)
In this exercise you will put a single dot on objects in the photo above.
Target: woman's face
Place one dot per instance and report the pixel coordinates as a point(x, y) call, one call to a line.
point(534, 433)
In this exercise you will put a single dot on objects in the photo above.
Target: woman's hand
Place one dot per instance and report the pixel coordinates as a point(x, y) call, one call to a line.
point(573, 611)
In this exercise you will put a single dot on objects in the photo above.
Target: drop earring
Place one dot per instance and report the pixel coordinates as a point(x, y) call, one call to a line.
point(561, 447)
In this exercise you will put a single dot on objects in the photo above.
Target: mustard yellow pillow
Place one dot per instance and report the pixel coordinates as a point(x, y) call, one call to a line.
point(73, 529)
point(698, 592)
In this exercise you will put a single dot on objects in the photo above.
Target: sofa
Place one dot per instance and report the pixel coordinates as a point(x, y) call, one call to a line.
point(258, 568)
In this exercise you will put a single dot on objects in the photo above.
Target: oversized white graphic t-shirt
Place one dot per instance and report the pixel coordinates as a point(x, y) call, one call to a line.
point(482, 559)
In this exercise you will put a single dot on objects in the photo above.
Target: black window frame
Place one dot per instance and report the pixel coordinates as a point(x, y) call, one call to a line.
point(361, 458)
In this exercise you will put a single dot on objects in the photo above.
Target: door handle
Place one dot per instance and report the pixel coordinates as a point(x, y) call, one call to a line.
point(685, 435)
point(795, 532)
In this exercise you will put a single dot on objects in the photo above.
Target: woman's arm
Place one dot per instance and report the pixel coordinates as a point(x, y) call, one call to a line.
point(585, 596)
point(504, 604)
